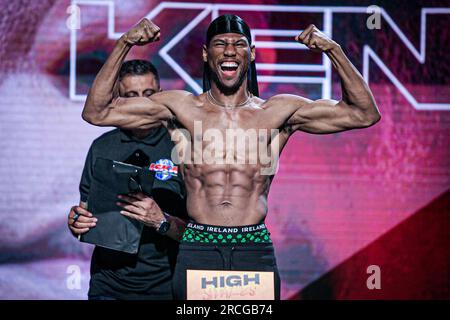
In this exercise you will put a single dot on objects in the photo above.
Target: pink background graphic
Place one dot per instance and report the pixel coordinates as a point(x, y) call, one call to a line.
point(339, 203)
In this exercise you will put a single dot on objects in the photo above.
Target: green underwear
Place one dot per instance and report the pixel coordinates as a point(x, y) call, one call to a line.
point(202, 233)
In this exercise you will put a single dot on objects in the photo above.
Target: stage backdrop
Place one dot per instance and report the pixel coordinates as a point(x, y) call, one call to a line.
point(342, 206)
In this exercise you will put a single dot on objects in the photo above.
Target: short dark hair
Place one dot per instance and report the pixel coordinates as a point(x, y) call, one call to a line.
point(137, 68)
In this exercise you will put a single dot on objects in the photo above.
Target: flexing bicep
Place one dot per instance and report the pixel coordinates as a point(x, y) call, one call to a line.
point(325, 116)
point(131, 113)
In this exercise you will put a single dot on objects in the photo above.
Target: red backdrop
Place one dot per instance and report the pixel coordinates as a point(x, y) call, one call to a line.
point(339, 203)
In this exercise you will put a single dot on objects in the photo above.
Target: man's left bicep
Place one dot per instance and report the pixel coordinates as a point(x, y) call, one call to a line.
point(322, 116)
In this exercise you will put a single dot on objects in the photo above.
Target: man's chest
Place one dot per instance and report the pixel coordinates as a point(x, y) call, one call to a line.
point(215, 119)
point(229, 137)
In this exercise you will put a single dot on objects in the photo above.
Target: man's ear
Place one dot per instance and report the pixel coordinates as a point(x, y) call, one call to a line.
point(252, 53)
point(205, 54)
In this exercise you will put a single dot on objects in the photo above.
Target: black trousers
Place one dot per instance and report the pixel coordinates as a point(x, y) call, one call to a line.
point(248, 257)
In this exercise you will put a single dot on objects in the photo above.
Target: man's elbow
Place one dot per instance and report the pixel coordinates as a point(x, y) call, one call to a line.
point(374, 116)
point(371, 119)
point(91, 117)
point(87, 117)
point(361, 120)
point(367, 114)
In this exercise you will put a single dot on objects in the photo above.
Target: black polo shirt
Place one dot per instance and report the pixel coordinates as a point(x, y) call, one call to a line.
point(147, 274)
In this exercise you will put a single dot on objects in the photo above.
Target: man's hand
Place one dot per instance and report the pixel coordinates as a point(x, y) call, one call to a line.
point(80, 220)
point(315, 40)
point(142, 208)
point(142, 33)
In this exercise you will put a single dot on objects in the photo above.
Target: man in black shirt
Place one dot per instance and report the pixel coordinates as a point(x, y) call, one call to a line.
point(147, 274)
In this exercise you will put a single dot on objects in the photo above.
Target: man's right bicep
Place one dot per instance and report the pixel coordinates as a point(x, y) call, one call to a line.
point(136, 113)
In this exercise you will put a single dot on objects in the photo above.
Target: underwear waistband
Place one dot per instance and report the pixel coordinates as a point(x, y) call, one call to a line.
point(209, 234)
point(226, 229)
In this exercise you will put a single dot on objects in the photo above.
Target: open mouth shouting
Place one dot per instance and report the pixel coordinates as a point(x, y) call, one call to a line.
point(229, 68)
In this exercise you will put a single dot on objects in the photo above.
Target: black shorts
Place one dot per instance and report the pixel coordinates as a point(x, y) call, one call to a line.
point(243, 248)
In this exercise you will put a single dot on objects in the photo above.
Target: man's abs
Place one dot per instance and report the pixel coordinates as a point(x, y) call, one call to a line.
point(226, 195)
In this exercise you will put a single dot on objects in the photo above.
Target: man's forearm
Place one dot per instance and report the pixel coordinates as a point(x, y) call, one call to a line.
point(355, 91)
point(102, 91)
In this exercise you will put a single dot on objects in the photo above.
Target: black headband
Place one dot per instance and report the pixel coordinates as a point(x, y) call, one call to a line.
point(229, 23)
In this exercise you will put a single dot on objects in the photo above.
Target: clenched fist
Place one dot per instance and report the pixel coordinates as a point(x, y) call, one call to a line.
point(142, 33)
point(315, 40)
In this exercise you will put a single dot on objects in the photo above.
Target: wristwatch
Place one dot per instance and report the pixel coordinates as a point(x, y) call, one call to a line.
point(164, 226)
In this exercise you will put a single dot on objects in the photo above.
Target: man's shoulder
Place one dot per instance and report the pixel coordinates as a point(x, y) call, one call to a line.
point(176, 97)
point(283, 99)
point(173, 94)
